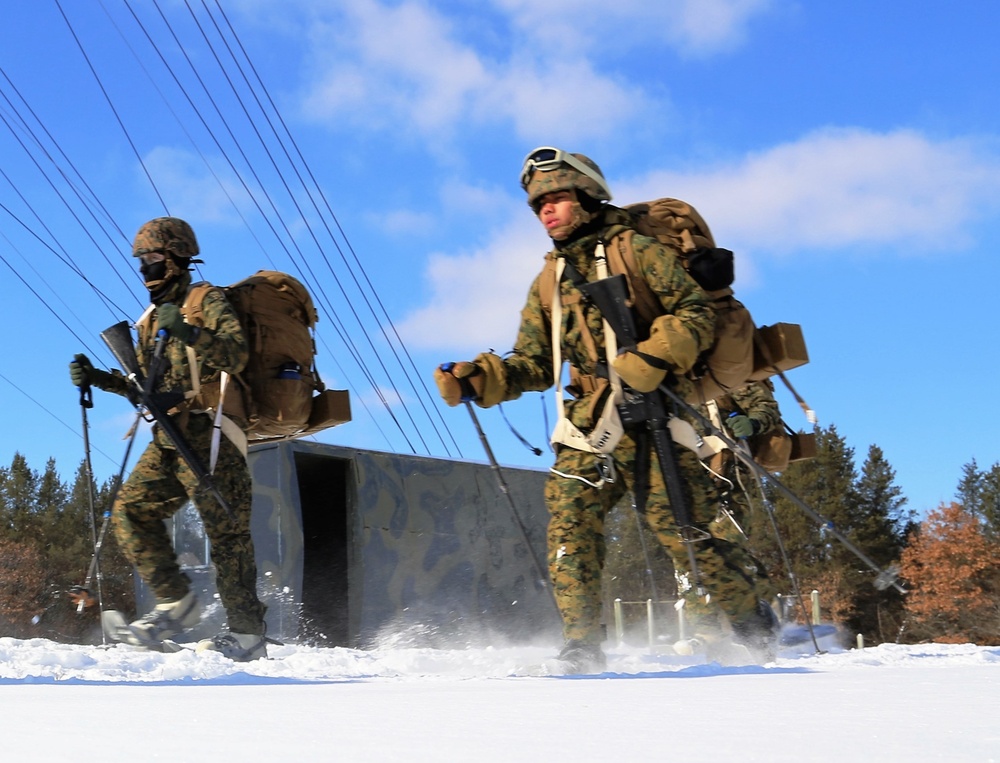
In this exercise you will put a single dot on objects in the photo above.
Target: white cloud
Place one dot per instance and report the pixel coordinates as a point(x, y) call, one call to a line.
point(692, 27)
point(412, 66)
point(474, 299)
point(398, 62)
point(839, 187)
point(403, 222)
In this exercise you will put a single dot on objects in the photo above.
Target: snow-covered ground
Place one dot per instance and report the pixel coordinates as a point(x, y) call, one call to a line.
point(889, 703)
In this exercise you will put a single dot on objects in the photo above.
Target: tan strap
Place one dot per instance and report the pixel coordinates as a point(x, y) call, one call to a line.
point(621, 259)
point(235, 434)
point(608, 431)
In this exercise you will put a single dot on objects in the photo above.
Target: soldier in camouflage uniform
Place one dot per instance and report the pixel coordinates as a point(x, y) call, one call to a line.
point(743, 413)
point(162, 481)
point(569, 195)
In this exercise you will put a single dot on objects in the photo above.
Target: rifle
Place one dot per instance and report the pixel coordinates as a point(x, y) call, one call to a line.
point(118, 338)
point(609, 295)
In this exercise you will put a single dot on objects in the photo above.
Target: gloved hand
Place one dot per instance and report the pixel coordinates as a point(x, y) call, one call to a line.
point(670, 347)
point(459, 381)
point(742, 426)
point(169, 318)
point(83, 373)
point(483, 380)
point(640, 370)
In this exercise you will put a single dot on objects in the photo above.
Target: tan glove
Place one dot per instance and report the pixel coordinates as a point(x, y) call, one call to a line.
point(670, 347)
point(483, 380)
point(459, 381)
point(494, 379)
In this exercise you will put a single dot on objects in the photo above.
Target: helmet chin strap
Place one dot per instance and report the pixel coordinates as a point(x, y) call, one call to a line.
point(164, 289)
point(580, 217)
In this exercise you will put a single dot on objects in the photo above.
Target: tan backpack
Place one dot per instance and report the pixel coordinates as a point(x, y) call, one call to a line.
point(282, 395)
point(729, 363)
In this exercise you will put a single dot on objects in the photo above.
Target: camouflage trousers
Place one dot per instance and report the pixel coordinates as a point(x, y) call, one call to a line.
point(158, 486)
point(576, 544)
point(740, 492)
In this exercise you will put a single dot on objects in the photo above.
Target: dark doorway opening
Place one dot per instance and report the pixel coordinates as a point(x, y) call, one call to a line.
point(326, 494)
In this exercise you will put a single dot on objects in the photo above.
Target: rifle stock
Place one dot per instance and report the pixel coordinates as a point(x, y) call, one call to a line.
point(118, 338)
point(610, 296)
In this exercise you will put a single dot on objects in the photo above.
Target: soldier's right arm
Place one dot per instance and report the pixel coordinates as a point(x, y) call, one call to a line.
point(82, 372)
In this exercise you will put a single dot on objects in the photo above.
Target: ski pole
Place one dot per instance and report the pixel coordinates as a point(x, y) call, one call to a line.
point(87, 401)
point(468, 395)
point(80, 594)
point(884, 578)
point(502, 483)
point(792, 577)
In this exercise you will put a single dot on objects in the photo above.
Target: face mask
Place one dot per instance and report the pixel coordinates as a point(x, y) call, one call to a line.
point(153, 273)
point(160, 275)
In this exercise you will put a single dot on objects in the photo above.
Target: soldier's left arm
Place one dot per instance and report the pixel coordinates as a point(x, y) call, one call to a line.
point(221, 344)
point(679, 295)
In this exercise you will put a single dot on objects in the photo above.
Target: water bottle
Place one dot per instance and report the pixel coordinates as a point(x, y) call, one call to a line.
point(290, 370)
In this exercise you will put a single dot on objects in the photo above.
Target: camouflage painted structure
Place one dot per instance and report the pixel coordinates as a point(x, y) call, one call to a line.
point(357, 547)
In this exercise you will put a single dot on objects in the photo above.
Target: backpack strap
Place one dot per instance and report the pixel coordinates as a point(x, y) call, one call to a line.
point(193, 307)
point(546, 281)
point(621, 259)
point(608, 430)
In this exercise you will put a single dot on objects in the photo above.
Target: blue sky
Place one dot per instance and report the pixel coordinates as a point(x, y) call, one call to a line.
point(848, 153)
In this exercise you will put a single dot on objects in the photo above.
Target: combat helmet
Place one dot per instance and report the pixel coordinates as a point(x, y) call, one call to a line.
point(165, 234)
point(547, 169)
point(166, 248)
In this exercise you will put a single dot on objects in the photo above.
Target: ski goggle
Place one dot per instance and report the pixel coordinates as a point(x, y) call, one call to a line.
point(547, 158)
point(152, 256)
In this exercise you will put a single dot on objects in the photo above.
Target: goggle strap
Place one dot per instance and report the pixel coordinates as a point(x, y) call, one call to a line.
point(560, 157)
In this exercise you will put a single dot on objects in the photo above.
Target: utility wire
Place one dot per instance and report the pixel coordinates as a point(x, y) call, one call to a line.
point(357, 267)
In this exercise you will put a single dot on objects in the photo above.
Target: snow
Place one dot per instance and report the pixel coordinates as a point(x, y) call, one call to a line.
point(888, 703)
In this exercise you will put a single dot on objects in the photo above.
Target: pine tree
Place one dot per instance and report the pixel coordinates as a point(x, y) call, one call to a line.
point(990, 501)
point(19, 495)
point(970, 488)
point(868, 509)
point(979, 493)
point(880, 530)
point(46, 547)
point(23, 595)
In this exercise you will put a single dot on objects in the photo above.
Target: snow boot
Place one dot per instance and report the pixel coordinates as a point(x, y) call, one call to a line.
point(581, 658)
point(168, 619)
point(238, 647)
point(759, 633)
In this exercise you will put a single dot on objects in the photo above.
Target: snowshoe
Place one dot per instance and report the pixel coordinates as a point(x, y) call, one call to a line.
point(759, 633)
point(167, 619)
point(116, 628)
point(580, 658)
point(239, 647)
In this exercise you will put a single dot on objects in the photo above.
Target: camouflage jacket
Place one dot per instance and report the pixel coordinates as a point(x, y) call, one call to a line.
point(220, 346)
point(755, 400)
point(530, 366)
